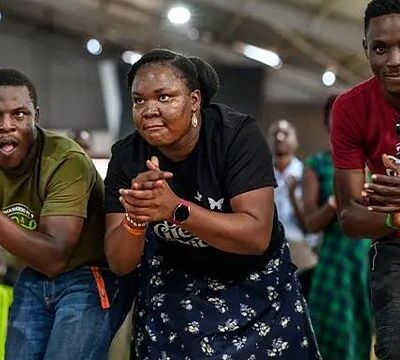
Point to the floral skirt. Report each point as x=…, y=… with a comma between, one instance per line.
x=264, y=315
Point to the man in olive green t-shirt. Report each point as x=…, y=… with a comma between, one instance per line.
x=67, y=304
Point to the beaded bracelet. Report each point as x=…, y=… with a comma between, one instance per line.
x=133, y=223
x=136, y=231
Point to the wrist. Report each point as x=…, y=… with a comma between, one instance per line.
x=133, y=227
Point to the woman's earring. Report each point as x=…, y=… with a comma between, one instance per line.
x=194, y=120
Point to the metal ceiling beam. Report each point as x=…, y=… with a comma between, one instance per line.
x=341, y=33
x=281, y=24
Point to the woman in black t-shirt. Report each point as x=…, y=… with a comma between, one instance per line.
x=215, y=277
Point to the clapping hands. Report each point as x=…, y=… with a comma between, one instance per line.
x=150, y=197
x=383, y=194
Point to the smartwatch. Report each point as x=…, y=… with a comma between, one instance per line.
x=181, y=212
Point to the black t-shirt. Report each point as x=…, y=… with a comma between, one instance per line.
x=230, y=158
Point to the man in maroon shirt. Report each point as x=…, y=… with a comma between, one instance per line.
x=366, y=131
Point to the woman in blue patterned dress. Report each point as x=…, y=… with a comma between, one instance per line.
x=215, y=276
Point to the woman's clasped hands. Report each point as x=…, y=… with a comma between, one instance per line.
x=150, y=197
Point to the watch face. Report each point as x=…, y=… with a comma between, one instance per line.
x=181, y=213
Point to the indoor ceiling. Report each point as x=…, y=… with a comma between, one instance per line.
x=309, y=35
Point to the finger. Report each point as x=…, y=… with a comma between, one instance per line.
x=135, y=211
x=385, y=190
x=365, y=198
x=148, y=185
x=390, y=163
x=127, y=204
x=151, y=176
x=151, y=166
x=153, y=163
x=131, y=202
x=138, y=194
x=128, y=200
x=385, y=180
x=375, y=198
x=386, y=209
x=124, y=203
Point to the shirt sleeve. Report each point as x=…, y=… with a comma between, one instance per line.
x=114, y=181
x=346, y=139
x=249, y=161
x=70, y=186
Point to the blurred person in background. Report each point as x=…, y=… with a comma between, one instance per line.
x=83, y=137
x=288, y=198
x=199, y=175
x=338, y=300
x=67, y=303
x=366, y=130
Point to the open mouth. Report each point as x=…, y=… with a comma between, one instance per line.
x=7, y=146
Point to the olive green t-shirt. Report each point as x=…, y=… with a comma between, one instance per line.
x=58, y=179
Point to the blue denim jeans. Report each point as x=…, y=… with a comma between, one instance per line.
x=63, y=318
x=385, y=294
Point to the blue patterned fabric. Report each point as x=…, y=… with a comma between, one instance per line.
x=263, y=315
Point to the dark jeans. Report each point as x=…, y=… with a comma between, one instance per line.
x=385, y=293
x=63, y=318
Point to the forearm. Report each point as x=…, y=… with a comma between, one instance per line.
x=123, y=250
x=319, y=219
x=37, y=250
x=357, y=221
x=300, y=215
x=239, y=233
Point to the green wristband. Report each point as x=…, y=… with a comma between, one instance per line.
x=389, y=222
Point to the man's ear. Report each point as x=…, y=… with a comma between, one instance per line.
x=37, y=115
x=365, y=47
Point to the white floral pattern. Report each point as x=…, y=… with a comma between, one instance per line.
x=278, y=346
x=230, y=325
x=206, y=347
x=247, y=311
x=187, y=304
x=193, y=327
x=262, y=328
x=262, y=316
x=219, y=304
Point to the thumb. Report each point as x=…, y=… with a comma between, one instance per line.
x=390, y=163
x=153, y=163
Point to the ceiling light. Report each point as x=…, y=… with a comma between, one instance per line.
x=179, y=15
x=130, y=57
x=328, y=78
x=94, y=46
x=1, y=16
x=264, y=56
